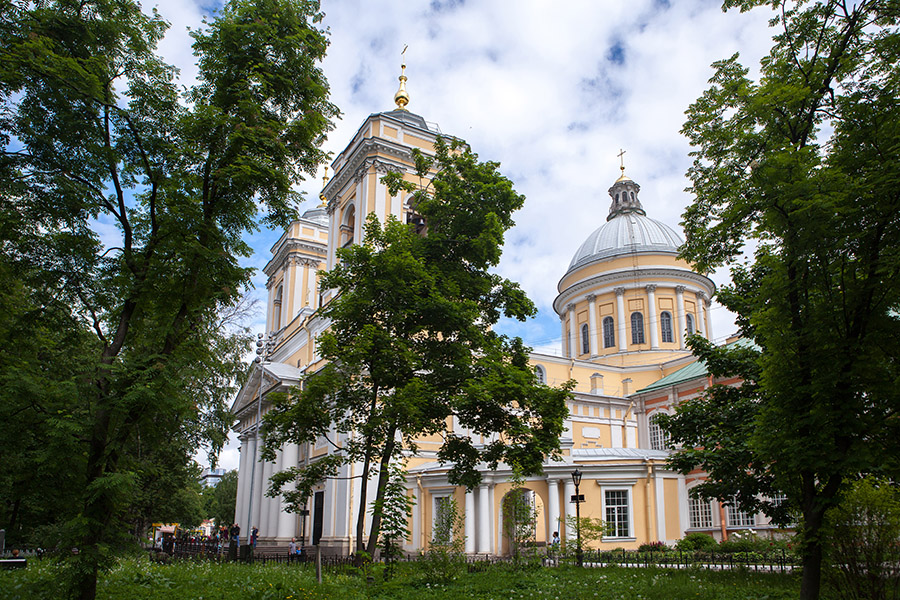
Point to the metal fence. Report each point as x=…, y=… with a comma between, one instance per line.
x=778, y=561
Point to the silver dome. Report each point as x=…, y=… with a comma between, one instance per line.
x=626, y=233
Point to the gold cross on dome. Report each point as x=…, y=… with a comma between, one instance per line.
x=621, y=155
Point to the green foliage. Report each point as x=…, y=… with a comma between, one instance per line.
x=862, y=542
x=519, y=519
x=143, y=581
x=219, y=501
x=129, y=345
x=592, y=532
x=697, y=542
x=799, y=166
x=445, y=558
x=396, y=510
x=411, y=343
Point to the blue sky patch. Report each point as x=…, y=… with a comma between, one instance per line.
x=616, y=53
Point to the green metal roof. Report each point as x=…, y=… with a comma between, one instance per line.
x=692, y=371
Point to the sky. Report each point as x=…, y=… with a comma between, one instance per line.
x=550, y=90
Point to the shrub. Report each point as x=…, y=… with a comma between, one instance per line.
x=653, y=547
x=445, y=558
x=862, y=542
x=697, y=542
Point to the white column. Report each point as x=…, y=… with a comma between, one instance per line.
x=286, y=294
x=298, y=269
x=573, y=338
x=569, y=491
x=709, y=330
x=287, y=522
x=652, y=317
x=252, y=494
x=257, y=492
x=270, y=307
x=362, y=208
x=484, y=520
x=274, y=503
x=470, y=521
x=701, y=326
x=553, y=505
x=311, y=287
x=620, y=315
x=564, y=344
x=679, y=305
x=592, y=323
x=265, y=503
x=243, y=474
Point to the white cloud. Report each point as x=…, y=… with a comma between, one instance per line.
x=551, y=91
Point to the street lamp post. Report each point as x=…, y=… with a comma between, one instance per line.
x=263, y=349
x=576, y=478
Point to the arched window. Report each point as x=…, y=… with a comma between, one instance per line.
x=276, y=308
x=540, y=374
x=637, y=328
x=665, y=324
x=347, y=226
x=617, y=198
x=632, y=195
x=689, y=321
x=585, y=340
x=609, y=332
x=659, y=440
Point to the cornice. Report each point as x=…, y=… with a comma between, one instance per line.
x=360, y=157
x=637, y=279
x=292, y=246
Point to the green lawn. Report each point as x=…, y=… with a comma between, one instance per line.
x=140, y=579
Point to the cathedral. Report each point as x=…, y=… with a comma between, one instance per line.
x=626, y=303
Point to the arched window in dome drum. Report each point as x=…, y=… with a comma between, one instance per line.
x=637, y=328
x=689, y=322
x=665, y=324
x=585, y=340
x=632, y=195
x=609, y=332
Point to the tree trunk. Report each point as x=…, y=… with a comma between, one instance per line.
x=97, y=510
x=383, y=475
x=361, y=517
x=14, y=517
x=811, y=581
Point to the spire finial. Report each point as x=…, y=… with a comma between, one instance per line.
x=324, y=183
x=621, y=156
x=401, y=98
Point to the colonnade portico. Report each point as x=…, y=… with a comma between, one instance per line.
x=482, y=512
x=263, y=512
x=651, y=312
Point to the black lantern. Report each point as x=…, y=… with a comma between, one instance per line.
x=576, y=479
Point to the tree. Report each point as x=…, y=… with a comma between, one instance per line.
x=411, y=343
x=95, y=131
x=801, y=167
x=220, y=501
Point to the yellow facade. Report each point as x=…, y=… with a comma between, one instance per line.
x=625, y=304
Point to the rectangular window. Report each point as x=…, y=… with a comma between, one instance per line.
x=739, y=518
x=700, y=513
x=617, y=517
x=442, y=525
